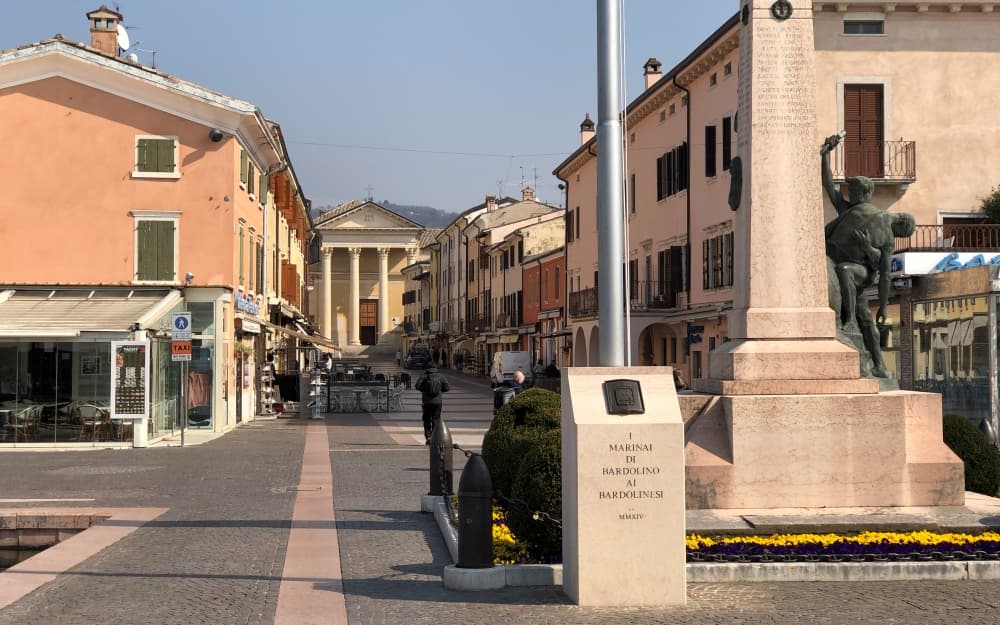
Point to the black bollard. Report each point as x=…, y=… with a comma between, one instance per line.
x=475, y=515
x=441, y=460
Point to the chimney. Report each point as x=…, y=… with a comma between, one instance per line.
x=651, y=72
x=586, y=129
x=491, y=203
x=104, y=29
x=527, y=193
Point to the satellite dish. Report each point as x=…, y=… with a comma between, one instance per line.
x=123, y=41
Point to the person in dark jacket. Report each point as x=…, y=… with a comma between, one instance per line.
x=431, y=386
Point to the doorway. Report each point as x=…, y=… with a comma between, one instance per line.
x=368, y=322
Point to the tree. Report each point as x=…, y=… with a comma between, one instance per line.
x=990, y=206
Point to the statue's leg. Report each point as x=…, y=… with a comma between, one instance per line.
x=849, y=276
x=869, y=332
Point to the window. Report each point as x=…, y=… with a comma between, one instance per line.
x=578, y=222
x=727, y=142
x=260, y=266
x=244, y=161
x=631, y=138
x=713, y=79
x=631, y=194
x=156, y=246
x=684, y=100
x=569, y=226
x=557, y=284
x=262, y=191
x=253, y=262
x=864, y=27
x=710, y=151
x=250, y=179
x=727, y=69
x=663, y=115
x=717, y=261
x=472, y=269
x=673, y=109
x=520, y=251
x=672, y=172
x=155, y=157
x=241, y=255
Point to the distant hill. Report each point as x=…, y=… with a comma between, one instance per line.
x=426, y=216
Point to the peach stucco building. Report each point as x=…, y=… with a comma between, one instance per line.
x=129, y=185
x=882, y=69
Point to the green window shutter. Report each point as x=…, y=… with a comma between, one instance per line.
x=264, y=187
x=250, y=176
x=243, y=166
x=145, y=251
x=241, y=256
x=164, y=249
x=142, y=155
x=260, y=267
x=165, y=155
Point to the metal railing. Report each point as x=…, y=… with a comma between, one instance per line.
x=652, y=294
x=952, y=237
x=583, y=302
x=897, y=162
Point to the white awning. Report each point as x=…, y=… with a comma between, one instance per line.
x=69, y=313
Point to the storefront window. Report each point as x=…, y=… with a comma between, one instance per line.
x=951, y=354
x=56, y=392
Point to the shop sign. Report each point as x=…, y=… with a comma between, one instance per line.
x=248, y=326
x=129, y=379
x=923, y=263
x=247, y=304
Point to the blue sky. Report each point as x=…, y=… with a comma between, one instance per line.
x=431, y=84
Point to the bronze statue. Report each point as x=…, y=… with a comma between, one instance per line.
x=859, y=243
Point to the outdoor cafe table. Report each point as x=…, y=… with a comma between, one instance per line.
x=360, y=390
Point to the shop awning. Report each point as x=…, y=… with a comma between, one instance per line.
x=68, y=313
x=319, y=341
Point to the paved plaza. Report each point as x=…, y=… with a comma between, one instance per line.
x=218, y=554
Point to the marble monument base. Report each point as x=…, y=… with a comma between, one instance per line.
x=824, y=450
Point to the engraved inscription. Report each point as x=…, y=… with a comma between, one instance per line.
x=631, y=461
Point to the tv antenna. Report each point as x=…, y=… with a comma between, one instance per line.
x=135, y=57
x=370, y=197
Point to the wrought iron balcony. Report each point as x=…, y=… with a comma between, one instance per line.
x=952, y=237
x=583, y=302
x=652, y=295
x=889, y=162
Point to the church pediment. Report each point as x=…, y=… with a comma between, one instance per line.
x=367, y=216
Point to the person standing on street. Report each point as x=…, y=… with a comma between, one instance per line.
x=431, y=385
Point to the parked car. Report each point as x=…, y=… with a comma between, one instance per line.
x=417, y=360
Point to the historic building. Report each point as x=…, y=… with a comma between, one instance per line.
x=360, y=251
x=875, y=65
x=170, y=198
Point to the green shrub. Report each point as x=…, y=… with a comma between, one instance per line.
x=538, y=485
x=515, y=430
x=982, y=462
x=990, y=205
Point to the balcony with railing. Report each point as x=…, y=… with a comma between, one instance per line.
x=952, y=238
x=583, y=302
x=886, y=162
x=480, y=323
x=652, y=295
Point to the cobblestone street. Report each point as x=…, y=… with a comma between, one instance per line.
x=217, y=555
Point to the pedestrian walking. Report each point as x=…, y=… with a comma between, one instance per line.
x=431, y=386
x=399, y=358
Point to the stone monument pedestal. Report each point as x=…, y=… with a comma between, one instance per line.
x=623, y=491
x=828, y=450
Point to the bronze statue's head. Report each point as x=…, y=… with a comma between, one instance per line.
x=903, y=224
x=860, y=189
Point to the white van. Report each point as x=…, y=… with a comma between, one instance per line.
x=506, y=363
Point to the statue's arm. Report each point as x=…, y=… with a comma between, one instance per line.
x=832, y=190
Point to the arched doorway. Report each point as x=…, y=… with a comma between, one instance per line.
x=595, y=347
x=580, y=349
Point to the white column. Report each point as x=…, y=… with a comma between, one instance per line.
x=353, y=333
x=326, y=304
x=383, y=293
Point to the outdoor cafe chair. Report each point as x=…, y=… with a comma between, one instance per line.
x=23, y=424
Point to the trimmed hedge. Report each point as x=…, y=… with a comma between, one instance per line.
x=516, y=428
x=539, y=485
x=982, y=462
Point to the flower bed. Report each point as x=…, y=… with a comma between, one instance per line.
x=865, y=546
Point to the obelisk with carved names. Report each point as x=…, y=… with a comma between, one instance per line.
x=782, y=327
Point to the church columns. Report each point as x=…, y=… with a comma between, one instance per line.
x=326, y=304
x=353, y=333
x=383, y=291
